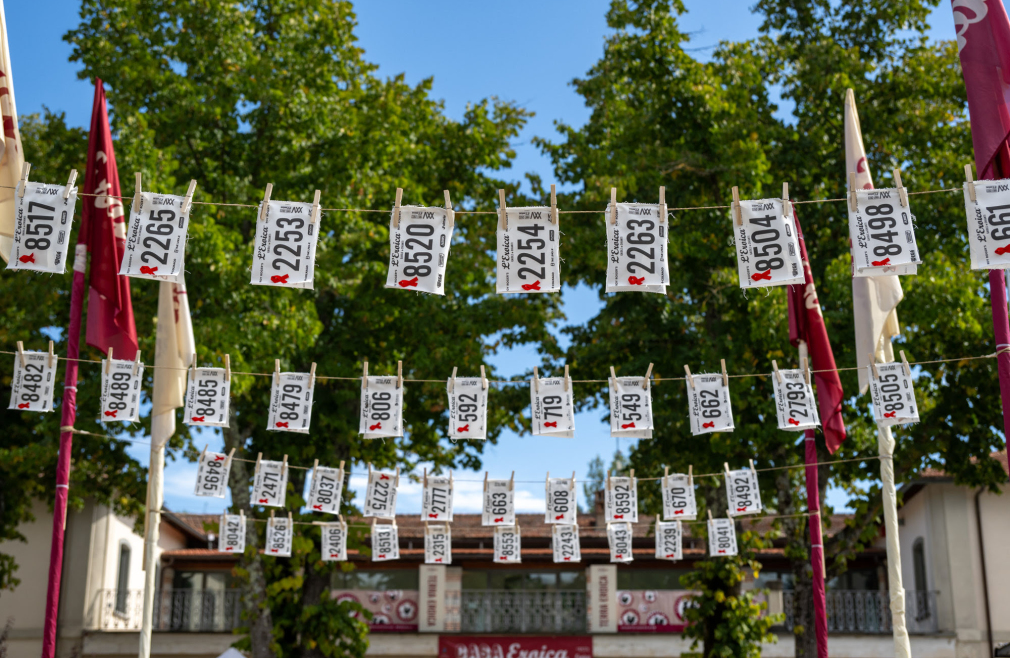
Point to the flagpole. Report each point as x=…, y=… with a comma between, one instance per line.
x=885, y=448
x=162, y=428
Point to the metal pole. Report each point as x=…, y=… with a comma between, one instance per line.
x=885, y=446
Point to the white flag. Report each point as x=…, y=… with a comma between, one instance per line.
x=385, y=542
x=232, y=534
x=619, y=538
x=499, y=503
x=13, y=157
x=436, y=499
x=507, y=544
x=565, y=543
x=678, y=498
x=437, y=543
x=621, y=499
x=669, y=541
x=380, y=495
x=280, y=533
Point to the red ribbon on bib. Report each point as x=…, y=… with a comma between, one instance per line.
x=198, y=419
x=24, y=405
x=762, y=276
x=500, y=519
x=793, y=421
x=618, y=516
x=144, y=269
x=282, y=424
x=552, y=423
x=318, y=507
x=636, y=280
x=890, y=414
x=709, y=424
x=282, y=278
x=559, y=517
x=408, y=283
x=531, y=286
x=383, y=477
x=30, y=258
x=1002, y=250
x=111, y=414
x=881, y=263
x=465, y=428
x=377, y=426
x=628, y=426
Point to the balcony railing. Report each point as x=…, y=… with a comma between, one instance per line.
x=868, y=611
x=512, y=611
x=180, y=610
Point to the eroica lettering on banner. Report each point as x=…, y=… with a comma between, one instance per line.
x=499, y=504
x=621, y=499
x=232, y=534
x=385, y=542
x=743, y=492
x=565, y=543
x=32, y=384
x=795, y=403
x=561, y=504
x=528, y=259
x=709, y=405
x=552, y=408
x=882, y=232
x=893, y=395
x=270, y=487
x=636, y=248
x=436, y=499
x=669, y=541
x=380, y=495
x=721, y=538
x=212, y=475
x=988, y=224
x=630, y=408
x=767, y=251
x=121, y=381
x=207, y=397
x=326, y=489
x=619, y=538
x=291, y=402
x=419, y=249
x=678, y=498
x=156, y=239
x=285, y=250
x=280, y=532
x=437, y=543
x=42, y=221
x=507, y=544
x=334, y=547
x=381, y=408
x=467, y=408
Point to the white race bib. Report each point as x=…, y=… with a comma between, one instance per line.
x=270, y=487
x=385, y=543
x=743, y=492
x=380, y=495
x=630, y=408
x=767, y=251
x=988, y=224
x=437, y=544
x=326, y=489
x=419, y=249
x=32, y=384
x=212, y=475
x=381, y=408
x=565, y=543
x=468, y=409
x=436, y=499
x=207, y=396
x=882, y=232
x=279, y=535
x=156, y=240
x=285, y=251
x=121, y=391
x=291, y=402
x=552, y=408
x=636, y=248
x=528, y=259
x=795, y=403
x=619, y=537
x=334, y=546
x=678, y=498
x=669, y=541
x=499, y=504
x=42, y=221
x=561, y=504
x=507, y=544
x=709, y=405
x=893, y=396
x=621, y=500
x=721, y=538
x=232, y=534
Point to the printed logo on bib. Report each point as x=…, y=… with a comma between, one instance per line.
x=619, y=537
x=271, y=484
x=436, y=499
x=380, y=495
x=893, y=396
x=669, y=541
x=212, y=475
x=678, y=498
x=156, y=239
x=334, y=545
x=721, y=538
x=467, y=409
x=767, y=253
x=291, y=402
x=561, y=504
x=419, y=249
x=709, y=405
x=552, y=408
x=630, y=408
x=326, y=489
x=279, y=536
x=882, y=232
x=42, y=221
x=232, y=534
x=381, y=408
x=621, y=499
x=988, y=224
x=507, y=545
x=636, y=249
x=499, y=504
x=385, y=543
x=743, y=492
x=437, y=544
x=795, y=403
x=121, y=391
x=32, y=384
x=565, y=543
x=285, y=251
x=207, y=397
x=528, y=259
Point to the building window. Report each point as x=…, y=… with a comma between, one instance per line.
x=123, y=578
x=921, y=586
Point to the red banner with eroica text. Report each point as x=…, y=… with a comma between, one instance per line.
x=482, y=646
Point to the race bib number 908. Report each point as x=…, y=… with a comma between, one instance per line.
x=42, y=219
x=156, y=240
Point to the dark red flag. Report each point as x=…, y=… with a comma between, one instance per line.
x=807, y=324
x=103, y=233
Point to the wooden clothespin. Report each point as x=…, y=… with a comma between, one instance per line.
x=613, y=377
x=284, y=467
x=241, y=513
x=25, y=168
x=787, y=208
x=70, y=183
x=266, y=200
x=648, y=374
x=567, y=379
x=364, y=375
x=343, y=524
x=485, y=481
x=399, y=374
x=312, y=374
x=369, y=470
x=21, y=353
x=662, y=204
x=572, y=487
x=666, y=475
x=52, y=355
x=291, y=523
x=396, y=207
x=108, y=362
x=259, y=458
x=277, y=367
x=203, y=455
x=709, y=516
x=512, y=481
x=631, y=475
x=136, y=363
x=231, y=453
x=735, y=207
x=902, y=192
x=873, y=367
x=314, y=215
x=775, y=369
x=227, y=368
x=690, y=378
x=853, y=199
x=690, y=475
x=315, y=466
x=452, y=380
x=806, y=369
x=483, y=378
x=609, y=487
x=554, y=206
x=341, y=470
x=904, y=364
x=450, y=477
x=725, y=465
x=503, y=219
x=752, y=465
x=449, y=212
x=192, y=373
x=613, y=205
x=397, y=479
x=536, y=380
x=425, y=479
x=547, y=483
x=138, y=189
x=969, y=182
x=271, y=517
x=188, y=200
x=725, y=376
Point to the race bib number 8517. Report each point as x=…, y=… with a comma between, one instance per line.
x=42, y=219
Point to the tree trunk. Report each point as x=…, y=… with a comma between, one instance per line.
x=803, y=611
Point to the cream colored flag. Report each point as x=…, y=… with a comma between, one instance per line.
x=874, y=299
x=13, y=158
x=174, y=348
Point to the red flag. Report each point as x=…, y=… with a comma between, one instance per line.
x=807, y=324
x=103, y=233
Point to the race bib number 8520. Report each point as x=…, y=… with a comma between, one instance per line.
x=419, y=249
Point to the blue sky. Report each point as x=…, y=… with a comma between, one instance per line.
x=478, y=58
